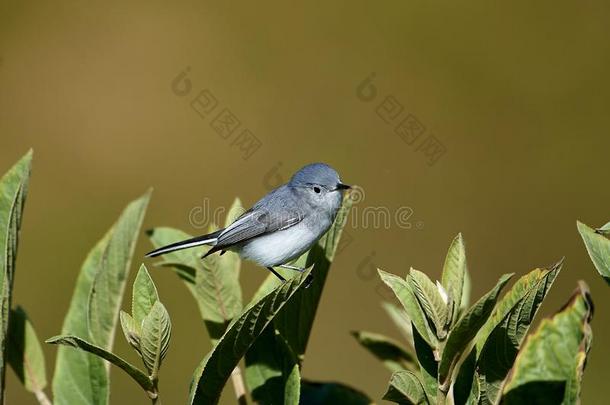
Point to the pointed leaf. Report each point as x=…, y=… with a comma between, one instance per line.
x=430, y=300
x=13, y=192
x=109, y=283
x=391, y=353
x=154, y=340
x=406, y=297
x=76, y=342
x=212, y=374
x=466, y=329
x=454, y=272
x=598, y=247
x=81, y=377
x=131, y=330
x=25, y=353
x=406, y=388
x=549, y=368
x=505, y=329
x=144, y=295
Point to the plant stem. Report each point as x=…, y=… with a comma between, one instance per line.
x=42, y=398
x=238, y=386
x=441, y=395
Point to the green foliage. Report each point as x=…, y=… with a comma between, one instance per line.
x=466, y=329
x=455, y=272
x=147, y=330
x=13, y=192
x=499, y=341
x=476, y=355
x=598, y=247
x=410, y=304
x=434, y=305
x=214, y=371
x=80, y=376
x=88, y=347
x=405, y=387
x=549, y=368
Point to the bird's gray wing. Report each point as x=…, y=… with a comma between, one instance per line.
x=257, y=222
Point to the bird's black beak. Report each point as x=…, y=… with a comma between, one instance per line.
x=342, y=186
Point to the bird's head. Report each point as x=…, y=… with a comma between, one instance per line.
x=320, y=184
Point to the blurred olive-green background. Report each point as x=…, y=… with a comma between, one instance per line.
x=517, y=94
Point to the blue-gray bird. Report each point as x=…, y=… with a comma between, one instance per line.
x=282, y=225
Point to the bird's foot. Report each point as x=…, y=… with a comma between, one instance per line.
x=290, y=267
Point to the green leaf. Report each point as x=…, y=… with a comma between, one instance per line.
x=549, y=367
x=13, y=192
x=213, y=281
x=24, y=352
x=465, y=387
x=76, y=342
x=455, y=273
x=400, y=319
x=430, y=300
x=406, y=388
x=391, y=353
x=106, y=293
x=501, y=336
x=276, y=378
x=144, y=295
x=212, y=374
x=131, y=330
x=466, y=291
x=80, y=377
x=598, y=247
x=409, y=302
x=428, y=365
x=466, y=329
x=154, y=340
x=320, y=393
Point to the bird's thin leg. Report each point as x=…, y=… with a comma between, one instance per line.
x=278, y=275
x=289, y=267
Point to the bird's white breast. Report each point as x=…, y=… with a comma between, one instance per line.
x=280, y=247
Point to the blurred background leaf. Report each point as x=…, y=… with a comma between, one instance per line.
x=598, y=247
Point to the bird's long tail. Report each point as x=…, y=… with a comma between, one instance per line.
x=208, y=239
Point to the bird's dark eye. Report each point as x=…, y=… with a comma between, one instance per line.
x=317, y=190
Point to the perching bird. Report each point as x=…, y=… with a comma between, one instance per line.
x=282, y=225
